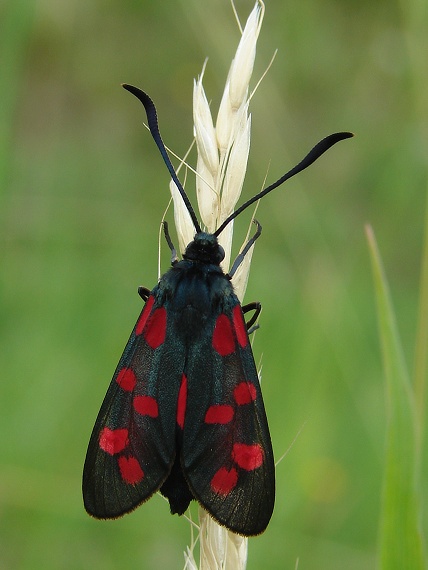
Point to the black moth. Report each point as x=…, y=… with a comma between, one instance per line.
x=184, y=414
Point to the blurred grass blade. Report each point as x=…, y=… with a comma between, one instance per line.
x=421, y=350
x=400, y=541
x=415, y=22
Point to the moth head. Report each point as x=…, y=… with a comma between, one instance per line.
x=204, y=248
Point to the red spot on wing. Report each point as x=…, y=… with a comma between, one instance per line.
x=223, y=339
x=219, y=414
x=244, y=393
x=155, y=330
x=182, y=401
x=146, y=406
x=248, y=457
x=224, y=481
x=144, y=315
x=126, y=379
x=130, y=470
x=113, y=440
x=240, y=326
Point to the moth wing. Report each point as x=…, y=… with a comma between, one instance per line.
x=227, y=455
x=132, y=447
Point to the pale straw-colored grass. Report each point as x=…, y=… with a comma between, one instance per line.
x=223, y=150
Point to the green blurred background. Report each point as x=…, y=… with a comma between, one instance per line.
x=83, y=193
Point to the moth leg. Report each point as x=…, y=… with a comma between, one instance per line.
x=174, y=257
x=240, y=257
x=252, y=329
x=144, y=293
x=256, y=307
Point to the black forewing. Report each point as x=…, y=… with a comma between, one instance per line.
x=217, y=383
x=132, y=447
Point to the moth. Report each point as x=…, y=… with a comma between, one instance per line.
x=184, y=413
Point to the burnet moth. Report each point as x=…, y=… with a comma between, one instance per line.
x=184, y=413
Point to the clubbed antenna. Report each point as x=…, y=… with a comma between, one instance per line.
x=152, y=120
x=319, y=149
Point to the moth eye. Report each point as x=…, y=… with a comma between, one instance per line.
x=221, y=253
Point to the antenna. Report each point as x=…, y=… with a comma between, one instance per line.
x=152, y=120
x=319, y=149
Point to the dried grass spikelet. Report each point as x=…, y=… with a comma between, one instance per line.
x=208, y=164
x=223, y=152
x=220, y=548
x=183, y=221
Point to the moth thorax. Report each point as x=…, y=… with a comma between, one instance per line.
x=205, y=249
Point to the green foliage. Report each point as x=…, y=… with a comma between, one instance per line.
x=400, y=540
x=83, y=192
